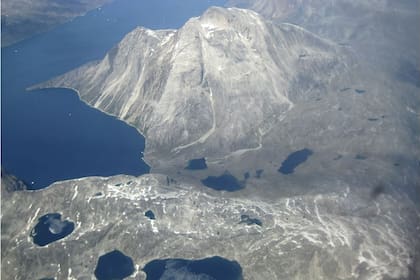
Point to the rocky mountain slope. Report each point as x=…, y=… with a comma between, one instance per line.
x=211, y=85
x=382, y=32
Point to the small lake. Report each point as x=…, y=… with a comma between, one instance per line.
x=224, y=182
x=197, y=164
x=114, y=265
x=294, y=160
x=216, y=268
x=50, y=228
x=246, y=219
x=149, y=214
x=50, y=135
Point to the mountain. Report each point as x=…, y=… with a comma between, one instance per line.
x=211, y=85
x=244, y=92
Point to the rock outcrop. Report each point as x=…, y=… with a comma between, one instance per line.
x=346, y=235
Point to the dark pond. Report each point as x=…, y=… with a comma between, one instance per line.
x=149, y=214
x=360, y=91
x=245, y=219
x=216, y=268
x=293, y=160
x=225, y=182
x=50, y=135
x=259, y=173
x=50, y=228
x=197, y=164
x=114, y=265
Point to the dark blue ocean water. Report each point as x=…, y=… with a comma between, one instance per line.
x=50, y=135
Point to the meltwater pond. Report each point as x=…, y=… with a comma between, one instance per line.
x=50, y=135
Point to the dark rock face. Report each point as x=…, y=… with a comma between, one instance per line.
x=114, y=265
x=216, y=268
x=50, y=228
